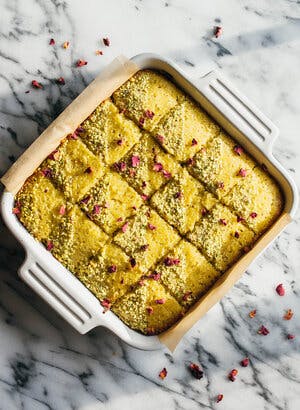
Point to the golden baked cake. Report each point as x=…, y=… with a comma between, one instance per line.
x=148, y=202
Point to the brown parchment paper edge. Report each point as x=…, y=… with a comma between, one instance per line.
x=171, y=337
x=109, y=79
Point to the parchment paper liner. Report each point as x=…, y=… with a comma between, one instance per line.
x=111, y=78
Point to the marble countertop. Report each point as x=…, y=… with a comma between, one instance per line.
x=44, y=364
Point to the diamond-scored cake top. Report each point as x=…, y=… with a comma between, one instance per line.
x=148, y=202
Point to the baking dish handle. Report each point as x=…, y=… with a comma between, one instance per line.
x=74, y=304
x=242, y=113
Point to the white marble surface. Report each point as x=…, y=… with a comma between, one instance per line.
x=44, y=364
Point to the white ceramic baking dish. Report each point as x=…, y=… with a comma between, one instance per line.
x=236, y=114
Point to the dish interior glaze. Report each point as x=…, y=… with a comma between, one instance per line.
x=148, y=202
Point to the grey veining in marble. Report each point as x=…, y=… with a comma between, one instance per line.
x=44, y=364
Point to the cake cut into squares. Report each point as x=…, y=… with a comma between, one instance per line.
x=146, y=238
x=149, y=308
x=76, y=239
x=257, y=199
x=220, y=165
x=182, y=201
x=186, y=273
x=110, y=201
x=108, y=133
x=185, y=129
x=220, y=237
x=39, y=204
x=74, y=168
x=146, y=166
x=146, y=97
x=109, y=274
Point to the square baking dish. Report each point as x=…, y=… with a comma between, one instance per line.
x=238, y=116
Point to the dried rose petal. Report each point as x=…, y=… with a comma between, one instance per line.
x=155, y=275
x=240, y=219
x=81, y=63
x=62, y=210
x=16, y=210
x=236, y=234
x=61, y=81
x=141, y=121
x=144, y=197
x=171, y=261
x=178, y=195
x=106, y=304
x=163, y=373
x=187, y=295
x=263, y=331
x=132, y=262
x=149, y=310
x=194, y=142
x=49, y=245
x=253, y=215
x=218, y=31
x=52, y=42
x=149, y=114
x=245, y=362
x=99, y=53
x=120, y=219
x=36, y=84
x=160, y=301
x=219, y=398
x=54, y=155
x=66, y=44
x=190, y=162
x=86, y=199
x=238, y=149
x=120, y=142
x=196, y=371
x=221, y=185
x=223, y=222
x=242, y=172
x=290, y=336
x=288, y=315
x=252, y=314
x=151, y=226
x=135, y=161
x=112, y=268
x=232, y=375
x=73, y=136
x=125, y=226
x=160, y=138
x=96, y=209
x=280, y=289
x=204, y=211
x=106, y=41
x=157, y=167
x=47, y=172
x=166, y=174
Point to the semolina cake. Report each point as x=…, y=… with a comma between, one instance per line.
x=149, y=308
x=148, y=202
x=185, y=129
x=186, y=273
x=110, y=201
x=146, y=237
x=146, y=167
x=109, y=274
x=219, y=166
x=220, y=236
x=108, y=133
x=182, y=201
x=147, y=97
